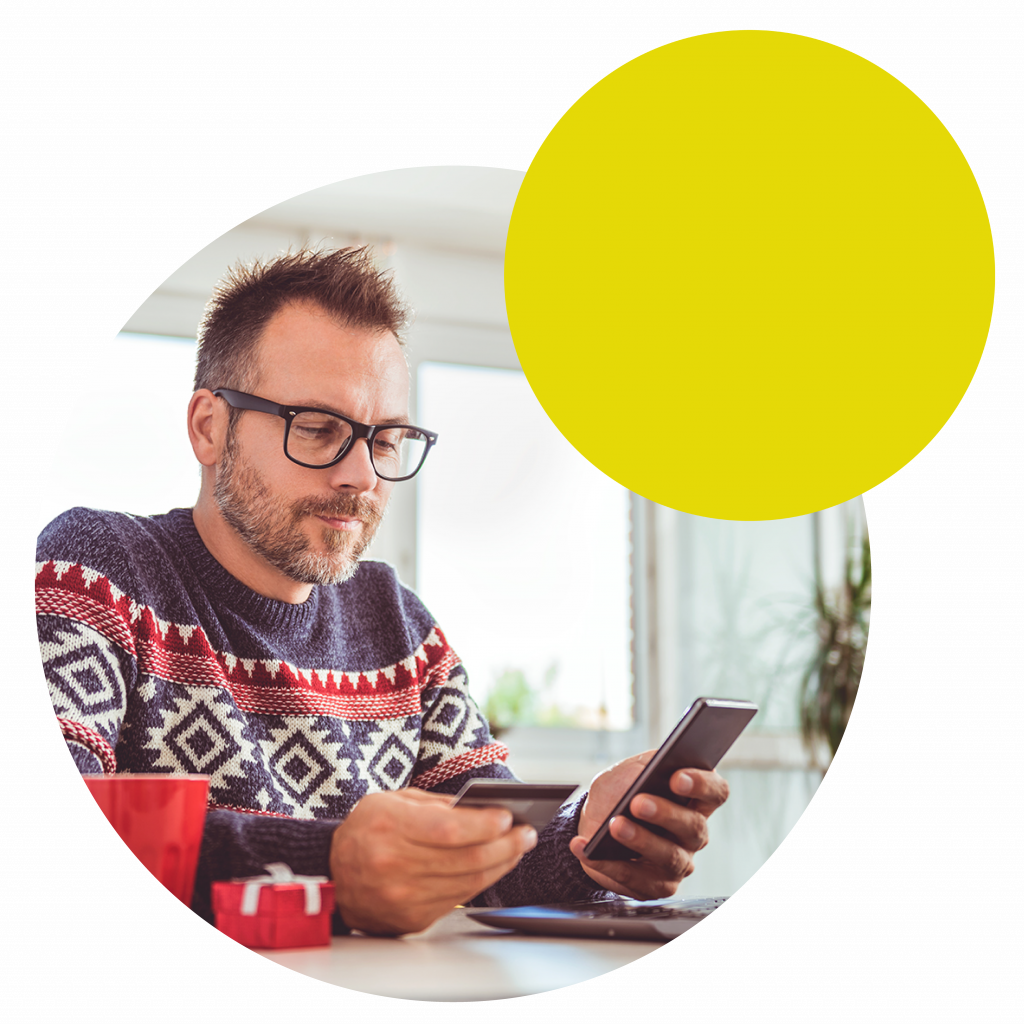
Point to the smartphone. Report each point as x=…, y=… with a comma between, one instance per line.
x=708, y=728
x=530, y=803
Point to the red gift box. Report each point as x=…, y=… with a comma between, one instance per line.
x=275, y=911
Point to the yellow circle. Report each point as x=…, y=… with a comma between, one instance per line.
x=749, y=275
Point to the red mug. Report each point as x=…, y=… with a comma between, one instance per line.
x=160, y=818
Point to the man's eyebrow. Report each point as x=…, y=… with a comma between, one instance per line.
x=391, y=421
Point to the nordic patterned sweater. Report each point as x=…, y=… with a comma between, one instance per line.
x=158, y=660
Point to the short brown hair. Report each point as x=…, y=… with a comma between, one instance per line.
x=344, y=282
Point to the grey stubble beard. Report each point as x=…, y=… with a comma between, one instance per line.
x=271, y=529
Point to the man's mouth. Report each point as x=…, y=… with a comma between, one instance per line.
x=345, y=523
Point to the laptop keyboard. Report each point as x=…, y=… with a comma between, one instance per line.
x=651, y=920
x=619, y=910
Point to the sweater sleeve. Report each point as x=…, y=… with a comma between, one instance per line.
x=457, y=746
x=88, y=649
x=550, y=872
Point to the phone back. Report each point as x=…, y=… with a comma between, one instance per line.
x=700, y=740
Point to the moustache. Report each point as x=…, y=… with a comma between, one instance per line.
x=340, y=507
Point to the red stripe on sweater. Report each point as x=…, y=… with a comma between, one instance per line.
x=91, y=740
x=183, y=654
x=493, y=753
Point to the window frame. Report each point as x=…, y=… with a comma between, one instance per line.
x=584, y=749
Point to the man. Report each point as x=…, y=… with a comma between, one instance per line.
x=244, y=638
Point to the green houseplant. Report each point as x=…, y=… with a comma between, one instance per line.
x=514, y=701
x=829, y=686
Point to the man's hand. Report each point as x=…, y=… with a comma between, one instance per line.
x=403, y=859
x=663, y=863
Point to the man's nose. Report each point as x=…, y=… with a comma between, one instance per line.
x=355, y=471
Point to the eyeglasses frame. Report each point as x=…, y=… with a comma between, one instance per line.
x=242, y=400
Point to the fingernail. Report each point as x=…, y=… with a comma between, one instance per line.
x=682, y=784
x=646, y=808
x=529, y=838
x=626, y=829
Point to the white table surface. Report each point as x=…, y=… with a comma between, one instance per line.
x=458, y=959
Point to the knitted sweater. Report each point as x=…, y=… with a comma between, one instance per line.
x=158, y=660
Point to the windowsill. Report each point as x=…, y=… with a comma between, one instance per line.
x=772, y=751
x=768, y=751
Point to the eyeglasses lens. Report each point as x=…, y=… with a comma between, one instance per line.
x=317, y=439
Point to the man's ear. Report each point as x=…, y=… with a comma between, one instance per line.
x=207, y=426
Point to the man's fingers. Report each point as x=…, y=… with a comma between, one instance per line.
x=425, y=819
x=640, y=879
x=424, y=796
x=443, y=862
x=460, y=875
x=662, y=855
x=453, y=827
x=688, y=827
x=704, y=791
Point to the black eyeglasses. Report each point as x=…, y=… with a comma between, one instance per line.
x=317, y=439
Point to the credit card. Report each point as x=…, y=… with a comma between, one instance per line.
x=530, y=803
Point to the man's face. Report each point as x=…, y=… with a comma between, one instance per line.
x=312, y=524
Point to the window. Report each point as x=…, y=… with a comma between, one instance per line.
x=523, y=555
x=736, y=612
x=125, y=445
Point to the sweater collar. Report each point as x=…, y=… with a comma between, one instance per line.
x=228, y=590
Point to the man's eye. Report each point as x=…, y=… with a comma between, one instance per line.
x=316, y=433
x=388, y=444
x=313, y=433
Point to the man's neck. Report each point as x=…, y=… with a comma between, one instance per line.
x=224, y=543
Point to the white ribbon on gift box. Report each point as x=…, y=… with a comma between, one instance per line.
x=280, y=874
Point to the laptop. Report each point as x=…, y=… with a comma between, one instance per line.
x=614, y=918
